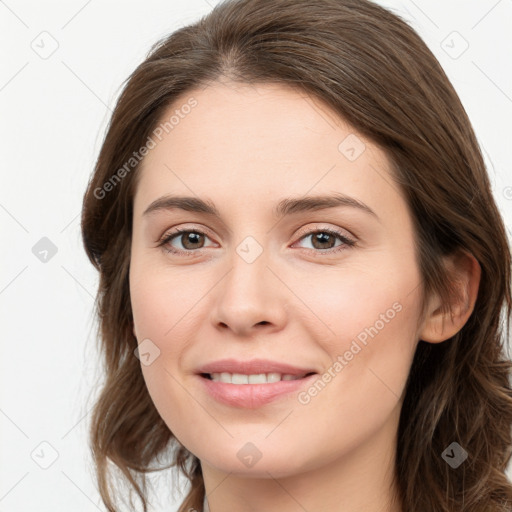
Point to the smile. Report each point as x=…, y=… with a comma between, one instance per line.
x=257, y=378
x=241, y=390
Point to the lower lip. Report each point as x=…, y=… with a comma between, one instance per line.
x=252, y=396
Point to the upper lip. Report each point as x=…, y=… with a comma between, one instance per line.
x=252, y=367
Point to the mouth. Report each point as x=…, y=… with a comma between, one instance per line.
x=256, y=378
x=253, y=390
x=253, y=383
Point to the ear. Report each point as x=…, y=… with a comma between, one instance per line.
x=465, y=272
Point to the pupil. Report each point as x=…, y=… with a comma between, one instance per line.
x=189, y=238
x=322, y=238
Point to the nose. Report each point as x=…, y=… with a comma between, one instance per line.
x=250, y=298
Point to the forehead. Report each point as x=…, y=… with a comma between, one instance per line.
x=274, y=120
x=242, y=141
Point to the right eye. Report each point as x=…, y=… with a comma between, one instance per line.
x=187, y=237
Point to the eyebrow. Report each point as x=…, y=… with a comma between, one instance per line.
x=287, y=206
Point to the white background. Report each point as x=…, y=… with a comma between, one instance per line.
x=53, y=117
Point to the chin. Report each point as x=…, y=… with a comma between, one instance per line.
x=246, y=459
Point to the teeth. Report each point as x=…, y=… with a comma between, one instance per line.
x=236, y=378
x=260, y=378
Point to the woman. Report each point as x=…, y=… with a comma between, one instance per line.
x=304, y=278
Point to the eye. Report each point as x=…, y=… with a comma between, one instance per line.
x=322, y=240
x=194, y=239
x=190, y=239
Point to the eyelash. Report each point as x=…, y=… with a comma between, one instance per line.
x=347, y=242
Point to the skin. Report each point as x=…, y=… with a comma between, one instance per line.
x=245, y=148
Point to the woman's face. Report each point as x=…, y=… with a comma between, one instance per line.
x=278, y=275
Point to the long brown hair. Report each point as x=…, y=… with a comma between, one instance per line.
x=374, y=71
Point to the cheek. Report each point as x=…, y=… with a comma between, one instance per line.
x=374, y=351
x=162, y=312
x=161, y=301
x=372, y=319
x=166, y=307
x=378, y=295
x=361, y=390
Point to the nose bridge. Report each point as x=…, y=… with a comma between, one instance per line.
x=248, y=295
x=248, y=278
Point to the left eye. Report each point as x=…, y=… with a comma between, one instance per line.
x=321, y=240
